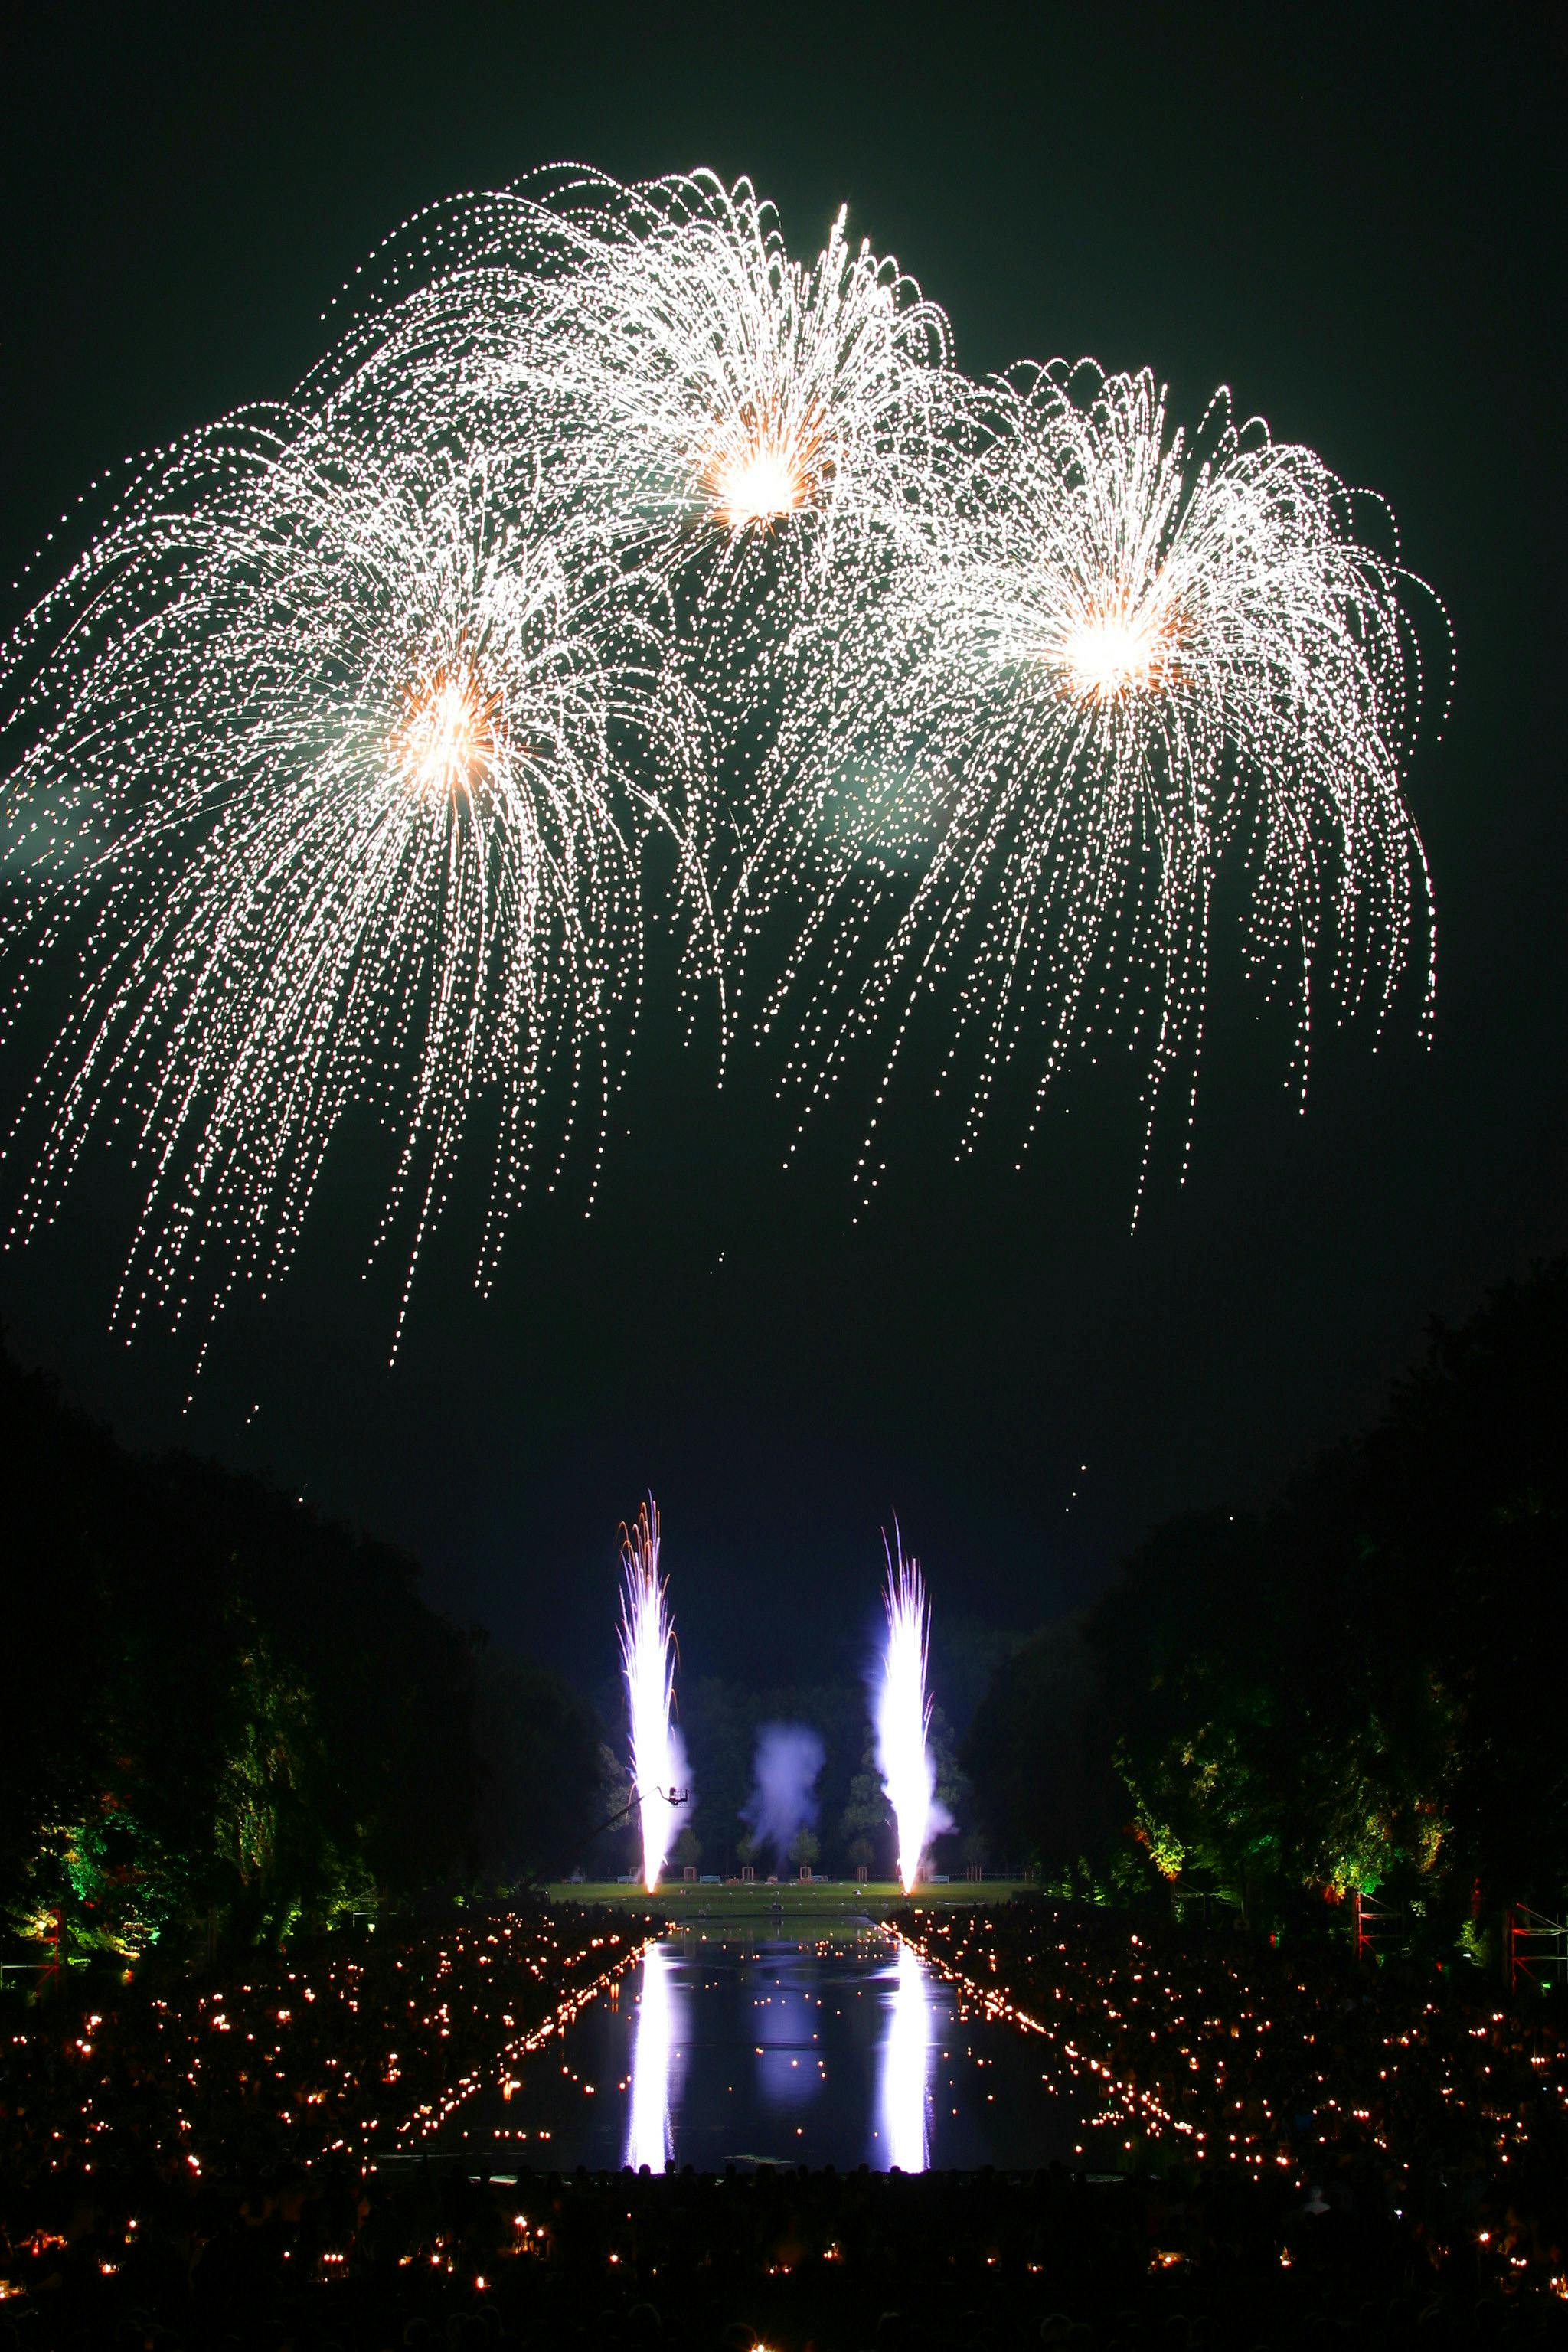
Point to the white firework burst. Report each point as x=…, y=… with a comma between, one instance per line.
x=762, y=412
x=335, y=770
x=1120, y=656
x=747, y=427
x=333, y=757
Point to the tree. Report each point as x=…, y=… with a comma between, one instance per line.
x=1356, y=1689
x=804, y=1849
x=866, y=1824
x=541, y=1761
x=1036, y=1754
x=218, y=1712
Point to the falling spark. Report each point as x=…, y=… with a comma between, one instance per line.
x=1120, y=664
x=339, y=769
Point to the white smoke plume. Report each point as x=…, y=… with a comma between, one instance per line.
x=788, y=1759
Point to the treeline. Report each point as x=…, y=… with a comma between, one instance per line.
x=222, y=1718
x=1358, y=1690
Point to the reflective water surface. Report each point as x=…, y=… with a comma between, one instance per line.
x=721, y=2050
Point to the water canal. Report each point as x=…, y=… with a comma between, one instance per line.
x=724, y=2047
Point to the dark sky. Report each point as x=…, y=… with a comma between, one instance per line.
x=1354, y=222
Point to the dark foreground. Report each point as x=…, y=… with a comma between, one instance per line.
x=787, y=2260
x=242, y=2161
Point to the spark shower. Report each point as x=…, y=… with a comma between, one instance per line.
x=901, y=1705
x=341, y=739
x=904, y=1716
x=648, y=1663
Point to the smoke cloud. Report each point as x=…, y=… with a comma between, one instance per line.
x=788, y=1759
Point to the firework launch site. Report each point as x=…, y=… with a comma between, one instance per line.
x=300, y=2047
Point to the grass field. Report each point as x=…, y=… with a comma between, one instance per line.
x=760, y=1904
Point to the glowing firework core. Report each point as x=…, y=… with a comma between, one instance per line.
x=755, y=487
x=647, y=1659
x=760, y=475
x=903, y=1712
x=1117, y=648
x=604, y=518
x=448, y=741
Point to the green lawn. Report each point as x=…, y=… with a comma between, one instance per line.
x=759, y=1903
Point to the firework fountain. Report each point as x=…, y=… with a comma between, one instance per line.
x=647, y=1661
x=903, y=1714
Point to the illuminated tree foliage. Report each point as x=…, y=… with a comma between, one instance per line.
x=1355, y=1691
x=222, y=1719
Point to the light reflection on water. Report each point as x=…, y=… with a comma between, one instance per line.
x=783, y=2082
x=651, y=2138
x=903, y=2067
x=736, y=2049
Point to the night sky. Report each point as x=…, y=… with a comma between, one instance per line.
x=1354, y=223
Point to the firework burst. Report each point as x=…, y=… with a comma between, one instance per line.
x=748, y=426
x=330, y=786
x=334, y=757
x=1124, y=655
x=762, y=412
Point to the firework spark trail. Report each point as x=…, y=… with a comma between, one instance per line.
x=339, y=772
x=648, y=1661
x=903, y=1714
x=751, y=428
x=1123, y=656
x=341, y=744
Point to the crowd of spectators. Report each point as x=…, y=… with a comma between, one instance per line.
x=423, y=2255
x=363, y=2043
x=1399, y=2094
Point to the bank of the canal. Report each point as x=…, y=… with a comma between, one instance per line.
x=756, y=1903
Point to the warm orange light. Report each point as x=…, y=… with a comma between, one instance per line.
x=1119, y=646
x=448, y=741
x=758, y=471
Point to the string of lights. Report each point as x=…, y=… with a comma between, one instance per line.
x=1239, y=2056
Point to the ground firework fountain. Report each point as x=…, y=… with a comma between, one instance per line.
x=903, y=1714
x=648, y=1660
